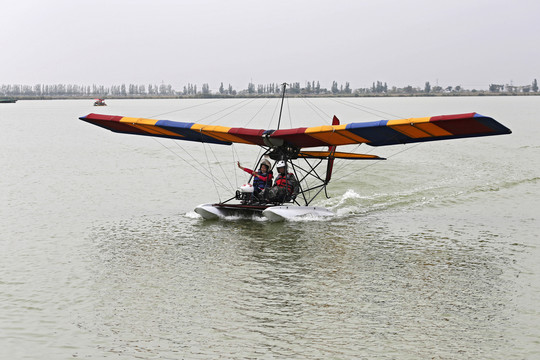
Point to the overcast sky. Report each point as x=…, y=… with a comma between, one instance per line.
x=459, y=42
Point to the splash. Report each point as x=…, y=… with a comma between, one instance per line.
x=347, y=204
x=195, y=216
x=192, y=215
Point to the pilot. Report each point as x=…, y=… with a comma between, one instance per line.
x=286, y=185
x=262, y=178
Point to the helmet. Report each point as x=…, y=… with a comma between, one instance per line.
x=280, y=163
x=267, y=163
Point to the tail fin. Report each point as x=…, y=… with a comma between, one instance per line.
x=331, y=149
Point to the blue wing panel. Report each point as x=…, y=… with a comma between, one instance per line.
x=184, y=129
x=377, y=132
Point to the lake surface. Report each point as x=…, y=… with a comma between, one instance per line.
x=433, y=253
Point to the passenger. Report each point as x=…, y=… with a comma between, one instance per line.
x=261, y=179
x=286, y=186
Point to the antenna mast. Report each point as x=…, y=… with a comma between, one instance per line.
x=282, y=99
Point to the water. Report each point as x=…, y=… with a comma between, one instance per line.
x=432, y=254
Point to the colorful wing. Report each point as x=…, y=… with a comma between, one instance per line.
x=391, y=132
x=176, y=130
x=376, y=133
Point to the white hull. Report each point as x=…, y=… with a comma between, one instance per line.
x=289, y=212
x=209, y=212
x=273, y=213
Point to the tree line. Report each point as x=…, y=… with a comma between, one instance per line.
x=309, y=88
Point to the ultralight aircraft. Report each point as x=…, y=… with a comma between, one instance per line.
x=292, y=146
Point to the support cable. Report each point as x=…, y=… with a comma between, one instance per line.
x=375, y=162
x=187, y=162
x=269, y=124
x=239, y=106
x=234, y=165
x=213, y=180
x=343, y=163
x=221, y=167
x=282, y=99
x=189, y=107
x=363, y=108
x=289, y=112
x=209, y=173
x=315, y=108
x=273, y=115
x=254, y=116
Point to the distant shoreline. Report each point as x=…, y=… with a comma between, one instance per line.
x=266, y=96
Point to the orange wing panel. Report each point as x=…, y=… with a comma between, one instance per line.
x=410, y=131
x=329, y=135
x=148, y=125
x=218, y=132
x=355, y=139
x=433, y=129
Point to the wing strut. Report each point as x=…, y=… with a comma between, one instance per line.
x=331, y=150
x=282, y=100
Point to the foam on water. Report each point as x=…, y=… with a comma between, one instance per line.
x=192, y=215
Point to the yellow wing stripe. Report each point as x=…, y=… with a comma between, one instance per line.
x=334, y=135
x=148, y=125
x=328, y=134
x=141, y=121
x=417, y=127
x=408, y=121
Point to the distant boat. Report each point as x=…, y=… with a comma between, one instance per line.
x=100, y=102
x=7, y=101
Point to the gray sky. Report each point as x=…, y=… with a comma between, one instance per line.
x=459, y=42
